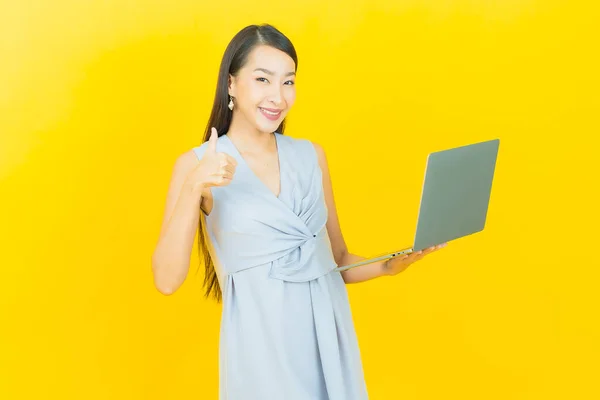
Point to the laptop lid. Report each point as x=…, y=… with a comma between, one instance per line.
x=456, y=192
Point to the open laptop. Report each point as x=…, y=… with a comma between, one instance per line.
x=454, y=199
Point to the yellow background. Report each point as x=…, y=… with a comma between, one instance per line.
x=98, y=98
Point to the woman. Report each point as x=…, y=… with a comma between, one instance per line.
x=272, y=237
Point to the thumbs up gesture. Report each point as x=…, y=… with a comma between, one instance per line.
x=213, y=169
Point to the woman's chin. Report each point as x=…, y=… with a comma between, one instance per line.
x=268, y=126
x=265, y=129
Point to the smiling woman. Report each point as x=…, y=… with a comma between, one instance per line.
x=286, y=327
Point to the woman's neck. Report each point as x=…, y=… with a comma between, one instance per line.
x=247, y=138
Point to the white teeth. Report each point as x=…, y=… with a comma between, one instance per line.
x=269, y=112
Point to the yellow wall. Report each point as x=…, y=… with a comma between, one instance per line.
x=97, y=98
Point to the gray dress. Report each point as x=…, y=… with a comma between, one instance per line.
x=286, y=326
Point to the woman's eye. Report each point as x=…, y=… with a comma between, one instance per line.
x=261, y=79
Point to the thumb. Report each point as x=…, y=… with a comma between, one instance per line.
x=212, y=141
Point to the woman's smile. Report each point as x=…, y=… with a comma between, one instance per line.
x=270, y=113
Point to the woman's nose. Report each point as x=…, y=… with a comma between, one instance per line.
x=276, y=97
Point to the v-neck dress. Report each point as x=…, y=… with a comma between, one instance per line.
x=286, y=330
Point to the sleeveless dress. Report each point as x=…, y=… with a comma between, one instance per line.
x=286, y=328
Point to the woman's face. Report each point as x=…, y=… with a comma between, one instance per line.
x=263, y=90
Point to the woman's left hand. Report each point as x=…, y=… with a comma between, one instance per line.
x=398, y=264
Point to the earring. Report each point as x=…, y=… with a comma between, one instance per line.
x=230, y=105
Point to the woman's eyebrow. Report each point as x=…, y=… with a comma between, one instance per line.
x=266, y=71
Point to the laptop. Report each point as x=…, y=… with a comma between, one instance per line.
x=454, y=198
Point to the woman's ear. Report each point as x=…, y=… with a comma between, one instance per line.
x=231, y=85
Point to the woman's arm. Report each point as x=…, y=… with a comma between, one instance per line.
x=338, y=245
x=363, y=272
x=171, y=257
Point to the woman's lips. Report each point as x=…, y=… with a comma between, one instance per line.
x=270, y=114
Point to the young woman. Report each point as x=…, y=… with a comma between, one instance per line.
x=268, y=231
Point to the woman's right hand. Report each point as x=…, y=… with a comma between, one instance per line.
x=213, y=169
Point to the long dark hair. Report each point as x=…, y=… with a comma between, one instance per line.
x=234, y=58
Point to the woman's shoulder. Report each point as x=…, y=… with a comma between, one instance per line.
x=189, y=158
x=303, y=146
